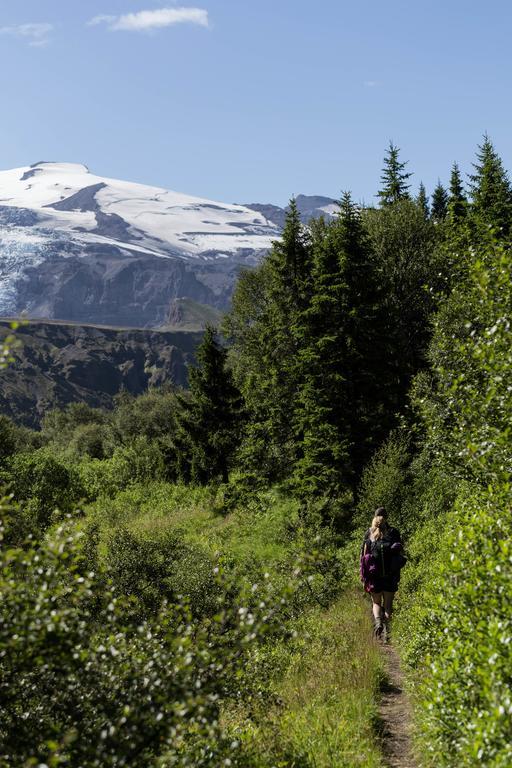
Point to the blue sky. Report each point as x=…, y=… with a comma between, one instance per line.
x=255, y=100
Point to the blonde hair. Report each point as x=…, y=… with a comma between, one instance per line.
x=378, y=528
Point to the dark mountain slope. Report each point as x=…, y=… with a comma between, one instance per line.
x=62, y=363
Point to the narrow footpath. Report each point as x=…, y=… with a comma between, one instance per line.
x=395, y=714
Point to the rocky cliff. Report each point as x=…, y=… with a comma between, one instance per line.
x=61, y=363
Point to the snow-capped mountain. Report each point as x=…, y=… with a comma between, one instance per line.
x=76, y=246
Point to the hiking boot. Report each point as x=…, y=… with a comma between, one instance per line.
x=378, y=628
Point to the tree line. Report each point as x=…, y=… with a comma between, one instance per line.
x=326, y=336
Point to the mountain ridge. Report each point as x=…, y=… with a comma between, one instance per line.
x=79, y=247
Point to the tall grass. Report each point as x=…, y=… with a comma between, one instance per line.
x=325, y=711
x=261, y=534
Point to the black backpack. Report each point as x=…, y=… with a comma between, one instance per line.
x=381, y=551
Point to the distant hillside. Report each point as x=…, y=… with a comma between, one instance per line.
x=309, y=207
x=189, y=315
x=63, y=363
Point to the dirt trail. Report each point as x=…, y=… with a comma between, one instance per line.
x=395, y=714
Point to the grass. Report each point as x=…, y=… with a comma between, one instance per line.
x=260, y=534
x=318, y=708
x=326, y=711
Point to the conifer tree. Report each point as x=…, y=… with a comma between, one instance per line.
x=210, y=418
x=422, y=200
x=262, y=329
x=322, y=408
x=290, y=261
x=454, y=237
x=343, y=355
x=370, y=378
x=403, y=245
x=394, y=178
x=439, y=203
x=491, y=192
x=457, y=201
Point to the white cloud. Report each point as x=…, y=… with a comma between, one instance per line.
x=371, y=83
x=102, y=19
x=37, y=35
x=144, y=21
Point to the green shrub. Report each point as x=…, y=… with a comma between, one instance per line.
x=455, y=622
x=8, y=439
x=44, y=484
x=142, y=461
x=82, y=687
x=151, y=415
x=385, y=480
x=59, y=426
x=90, y=440
x=459, y=632
x=151, y=571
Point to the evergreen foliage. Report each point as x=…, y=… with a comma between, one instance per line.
x=322, y=413
x=367, y=340
x=457, y=201
x=439, y=203
x=422, y=200
x=394, y=178
x=406, y=261
x=490, y=188
x=262, y=330
x=210, y=417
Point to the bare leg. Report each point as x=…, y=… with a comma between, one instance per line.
x=376, y=604
x=378, y=615
x=388, y=604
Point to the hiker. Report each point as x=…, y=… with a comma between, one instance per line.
x=381, y=561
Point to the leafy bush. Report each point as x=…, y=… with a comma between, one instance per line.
x=90, y=440
x=150, y=571
x=151, y=415
x=384, y=482
x=44, y=483
x=60, y=427
x=82, y=687
x=456, y=625
x=467, y=410
x=458, y=631
x=8, y=439
x=142, y=461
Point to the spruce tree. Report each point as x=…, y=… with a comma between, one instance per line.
x=262, y=330
x=422, y=200
x=343, y=356
x=439, y=203
x=403, y=245
x=290, y=261
x=394, y=178
x=454, y=238
x=322, y=409
x=370, y=378
x=210, y=418
x=490, y=188
x=457, y=201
